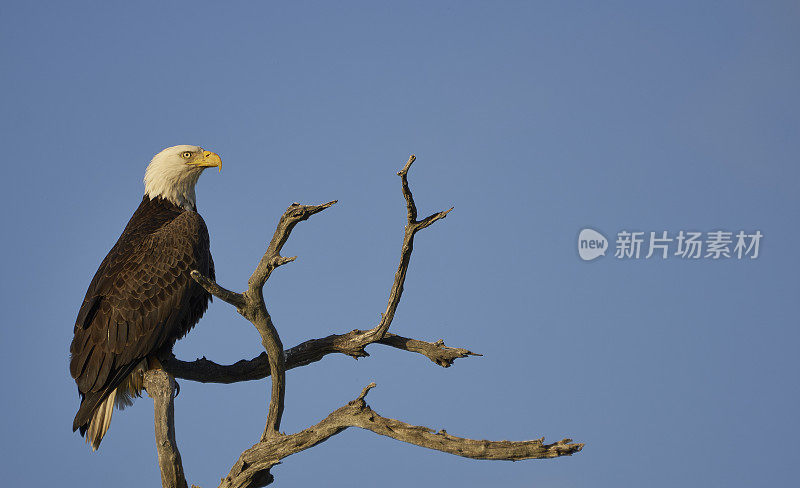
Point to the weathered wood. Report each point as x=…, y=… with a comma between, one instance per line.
x=352, y=344
x=252, y=469
x=160, y=387
x=251, y=306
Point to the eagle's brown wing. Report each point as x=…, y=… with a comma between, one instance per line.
x=141, y=300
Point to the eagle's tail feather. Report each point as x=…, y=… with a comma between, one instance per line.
x=101, y=420
x=94, y=415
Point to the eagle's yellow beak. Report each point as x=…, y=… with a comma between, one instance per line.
x=209, y=160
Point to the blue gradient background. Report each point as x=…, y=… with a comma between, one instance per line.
x=534, y=119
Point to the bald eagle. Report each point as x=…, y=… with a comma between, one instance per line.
x=142, y=298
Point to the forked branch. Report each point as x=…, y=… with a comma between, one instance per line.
x=160, y=387
x=352, y=344
x=251, y=305
x=412, y=227
x=253, y=467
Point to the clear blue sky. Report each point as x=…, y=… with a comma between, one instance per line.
x=533, y=119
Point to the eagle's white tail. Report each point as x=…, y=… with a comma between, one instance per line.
x=101, y=419
x=122, y=396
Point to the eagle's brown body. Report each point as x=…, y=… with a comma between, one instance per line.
x=141, y=300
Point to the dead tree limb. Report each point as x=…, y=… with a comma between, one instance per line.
x=251, y=306
x=352, y=343
x=252, y=469
x=412, y=227
x=160, y=387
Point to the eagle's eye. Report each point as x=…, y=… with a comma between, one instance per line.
x=186, y=154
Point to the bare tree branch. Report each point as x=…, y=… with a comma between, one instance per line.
x=250, y=304
x=256, y=311
x=231, y=297
x=353, y=343
x=437, y=352
x=159, y=386
x=252, y=468
x=206, y=371
x=412, y=227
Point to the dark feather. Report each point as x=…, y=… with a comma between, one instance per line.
x=140, y=301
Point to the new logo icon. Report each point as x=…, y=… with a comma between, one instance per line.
x=591, y=244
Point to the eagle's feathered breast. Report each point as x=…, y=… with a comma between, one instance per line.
x=140, y=301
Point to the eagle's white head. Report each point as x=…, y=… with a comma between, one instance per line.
x=173, y=173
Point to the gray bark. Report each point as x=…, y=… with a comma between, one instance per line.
x=252, y=469
x=160, y=387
